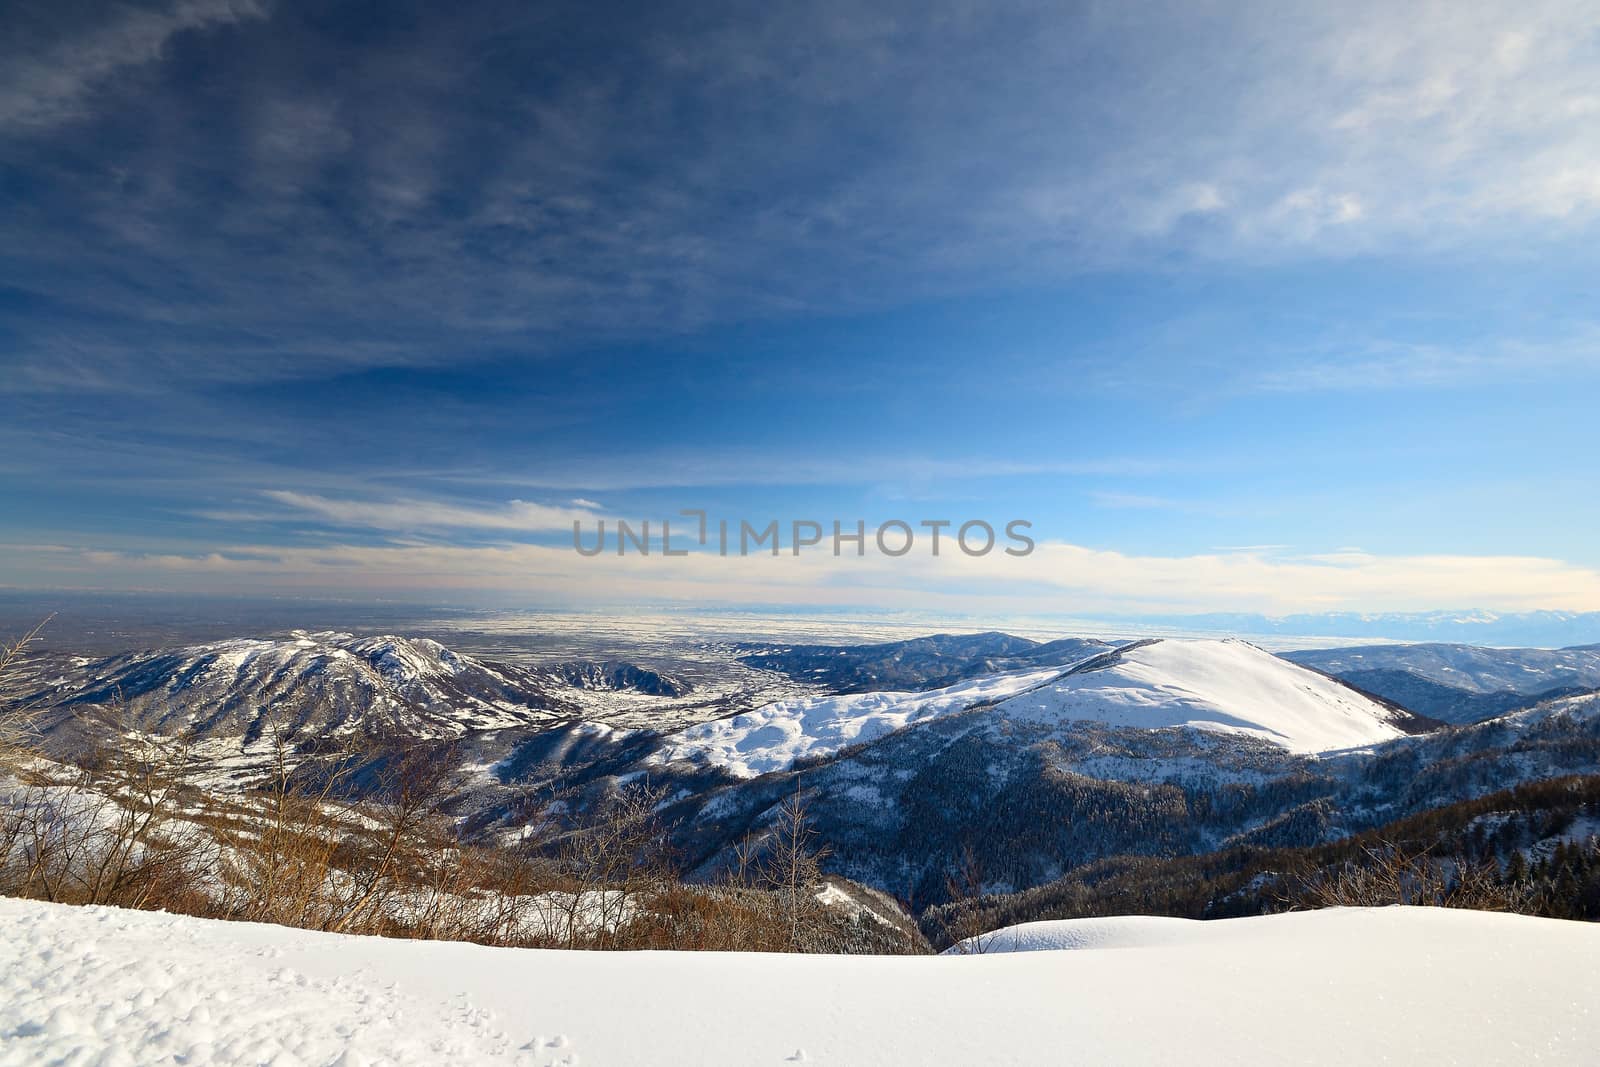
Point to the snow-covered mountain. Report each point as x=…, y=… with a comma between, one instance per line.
x=1159, y=747
x=1460, y=683
x=1225, y=686
x=1023, y=795
x=1222, y=686
x=1165, y=748
x=310, y=684
x=614, y=676
x=324, y=684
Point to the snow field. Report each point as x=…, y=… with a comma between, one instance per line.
x=1401, y=985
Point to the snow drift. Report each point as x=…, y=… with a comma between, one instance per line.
x=1404, y=985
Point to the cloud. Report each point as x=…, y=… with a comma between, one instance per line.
x=401, y=514
x=193, y=252
x=56, y=83
x=672, y=469
x=1058, y=578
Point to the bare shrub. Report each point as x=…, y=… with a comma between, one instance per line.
x=108, y=831
x=769, y=897
x=278, y=852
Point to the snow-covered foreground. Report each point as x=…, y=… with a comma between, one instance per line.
x=1403, y=985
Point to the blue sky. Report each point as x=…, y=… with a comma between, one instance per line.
x=1246, y=307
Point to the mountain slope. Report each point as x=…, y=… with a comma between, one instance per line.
x=1020, y=800
x=614, y=676
x=1446, y=703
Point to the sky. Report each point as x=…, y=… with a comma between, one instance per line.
x=1250, y=307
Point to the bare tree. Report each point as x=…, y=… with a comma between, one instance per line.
x=792, y=864
x=280, y=855
x=107, y=831
x=961, y=919
x=618, y=862
x=17, y=721
x=413, y=785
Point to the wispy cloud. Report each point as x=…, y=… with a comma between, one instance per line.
x=402, y=227
x=1104, y=498
x=44, y=84
x=1394, y=365
x=402, y=515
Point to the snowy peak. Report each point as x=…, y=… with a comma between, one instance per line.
x=404, y=660
x=1228, y=686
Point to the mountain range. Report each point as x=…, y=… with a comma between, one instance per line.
x=1012, y=759
x=319, y=686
